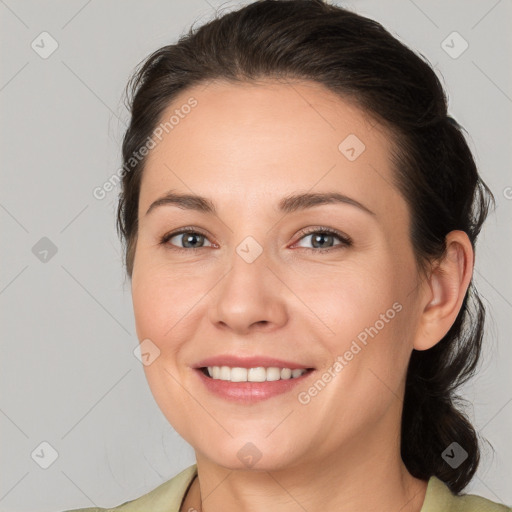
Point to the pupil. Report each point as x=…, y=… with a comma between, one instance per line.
x=321, y=236
x=190, y=236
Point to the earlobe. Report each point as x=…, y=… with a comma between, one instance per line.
x=445, y=290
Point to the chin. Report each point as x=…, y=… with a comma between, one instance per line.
x=257, y=455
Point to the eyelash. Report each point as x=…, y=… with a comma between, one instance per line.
x=345, y=240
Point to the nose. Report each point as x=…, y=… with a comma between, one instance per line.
x=250, y=296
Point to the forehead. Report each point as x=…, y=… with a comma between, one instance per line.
x=247, y=144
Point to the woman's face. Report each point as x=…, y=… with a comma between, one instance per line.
x=257, y=280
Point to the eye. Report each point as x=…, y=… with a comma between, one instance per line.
x=191, y=239
x=322, y=237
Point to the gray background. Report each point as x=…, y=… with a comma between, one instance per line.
x=68, y=373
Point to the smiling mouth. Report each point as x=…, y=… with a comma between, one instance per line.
x=256, y=375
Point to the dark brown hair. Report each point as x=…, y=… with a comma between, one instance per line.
x=360, y=61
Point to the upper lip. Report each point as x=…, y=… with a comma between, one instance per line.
x=249, y=362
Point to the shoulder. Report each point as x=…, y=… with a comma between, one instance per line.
x=439, y=498
x=167, y=497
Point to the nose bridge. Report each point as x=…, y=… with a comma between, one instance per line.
x=249, y=293
x=248, y=268
x=250, y=250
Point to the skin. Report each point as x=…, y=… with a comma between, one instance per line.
x=246, y=146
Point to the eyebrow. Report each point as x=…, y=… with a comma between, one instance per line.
x=288, y=204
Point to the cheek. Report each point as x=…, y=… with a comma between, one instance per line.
x=158, y=300
x=364, y=312
x=349, y=299
x=168, y=303
x=148, y=304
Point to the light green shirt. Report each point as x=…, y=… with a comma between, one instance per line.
x=168, y=496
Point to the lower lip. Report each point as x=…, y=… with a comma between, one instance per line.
x=250, y=392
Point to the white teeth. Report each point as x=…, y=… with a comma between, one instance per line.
x=259, y=374
x=286, y=373
x=273, y=373
x=296, y=373
x=225, y=373
x=238, y=374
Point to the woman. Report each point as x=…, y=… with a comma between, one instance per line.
x=300, y=215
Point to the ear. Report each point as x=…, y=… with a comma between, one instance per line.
x=445, y=290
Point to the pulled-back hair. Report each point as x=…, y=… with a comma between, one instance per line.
x=357, y=59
